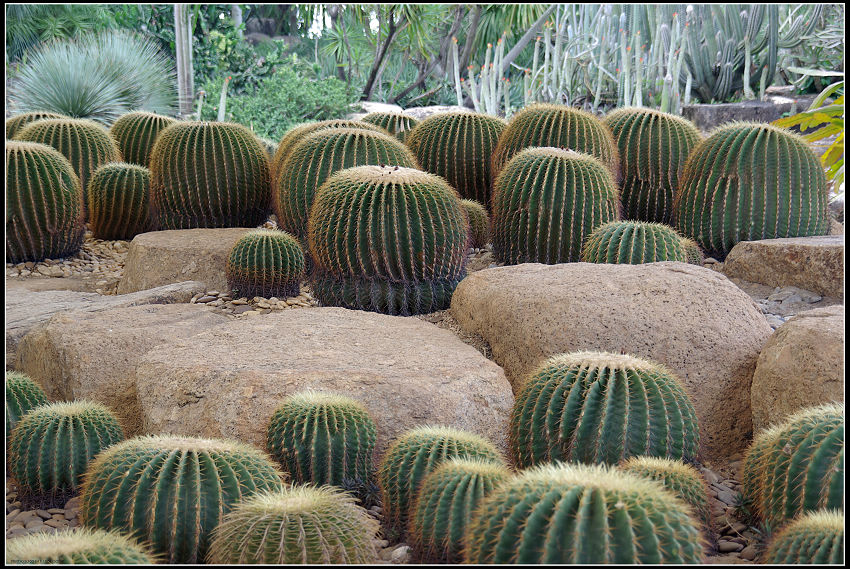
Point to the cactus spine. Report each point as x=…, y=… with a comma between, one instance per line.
x=80, y=546
x=16, y=123
x=22, y=394
x=397, y=124
x=633, y=242
x=479, y=223
x=118, y=197
x=693, y=253
x=266, y=263
x=816, y=538
x=136, y=133
x=681, y=479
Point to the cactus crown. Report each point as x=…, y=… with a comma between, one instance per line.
x=76, y=547
x=681, y=479
x=266, y=263
x=16, y=123
x=397, y=124
x=22, y=394
x=118, y=197
x=136, y=133
x=479, y=223
x=813, y=538
x=633, y=242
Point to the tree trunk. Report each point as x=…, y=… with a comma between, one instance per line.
x=383, y=50
x=463, y=62
x=236, y=16
x=185, y=72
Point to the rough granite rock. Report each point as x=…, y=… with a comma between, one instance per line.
x=363, y=108
x=691, y=319
x=422, y=113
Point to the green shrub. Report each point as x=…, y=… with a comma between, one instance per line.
x=17, y=122
x=397, y=124
x=22, y=394
x=266, y=263
x=681, y=479
x=479, y=223
x=78, y=546
x=118, y=197
x=816, y=538
x=135, y=134
x=633, y=242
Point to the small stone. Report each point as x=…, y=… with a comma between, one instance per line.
x=101, y=282
x=710, y=476
x=56, y=523
x=242, y=308
x=380, y=543
x=56, y=511
x=263, y=304
x=43, y=514
x=50, y=271
x=16, y=532
x=728, y=546
x=25, y=273
x=252, y=313
x=213, y=293
x=401, y=554
x=34, y=523
x=73, y=504
x=11, y=515
x=774, y=320
x=273, y=299
x=240, y=301
x=205, y=299
x=748, y=553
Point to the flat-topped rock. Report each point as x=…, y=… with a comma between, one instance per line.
x=691, y=319
x=422, y=113
x=157, y=258
x=363, y=108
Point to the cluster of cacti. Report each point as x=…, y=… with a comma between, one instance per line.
x=633, y=242
x=445, y=502
x=681, y=479
x=296, y=525
x=458, y=147
x=51, y=446
x=118, y=197
x=797, y=466
x=266, y=263
x=322, y=438
x=209, y=174
x=546, y=201
x=397, y=124
x=172, y=491
x=136, y=133
x=581, y=514
x=693, y=253
x=816, y=538
x=597, y=407
x=22, y=395
x=479, y=223
x=387, y=239
x=750, y=181
x=79, y=546
x=17, y=122
x=653, y=147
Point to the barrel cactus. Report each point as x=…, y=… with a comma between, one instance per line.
x=209, y=174
x=266, y=263
x=693, y=253
x=653, y=147
x=387, y=239
x=458, y=147
x=750, y=181
x=546, y=201
x=172, y=491
x=397, y=124
x=22, y=394
x=136, y=133
x=816, y=538
x=633, y=242
x=582, y=514
x=296, y=525
x=479, y=223
x=445, y=502
x=597, y=407
x=80, y=546
x=681, y=479
x=16, y=123
x=118, y=197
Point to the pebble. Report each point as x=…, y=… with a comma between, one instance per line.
x=205, y=299
x=728, y=546
x=749, y=553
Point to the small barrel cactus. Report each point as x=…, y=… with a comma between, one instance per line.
x=816, y=538
x=172, y=491
x=681, y=479
x=479, y=223
x=136, y=133
x=266, y=263
x=209, y=174
x=387, y=239
x=546, y=201
x=750, y=181
x=653, y=147
x=296, y=525
x=445, y=502
x=118, y=198
x=693, y=253
x=581, y=514
x=633, y=242
x=16, y=123
x=458, y=147
x=322, y=438
x=597, y=407
x=22, y=394
x=397, y=124
x=52, y=445
x=80, y=546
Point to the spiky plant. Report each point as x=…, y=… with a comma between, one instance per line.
x=633, y=242
x=209, y=174
x=136, y=133
x=750, y=181
x=17, y=122
x=118, y=198
x=693, y=253
x=52, y=445
x=479, y=223
x=270, y=146
x=22, y=394
x=78, y=546
x=597, y=407
x=397, y=124
x=681, y=479
x=322, y=438
x=653, y=147
x=266, y=263
x=296, y=525
x=387, y=239
x=546, y=201
x=816, y=538
x=444, y=504
x=581, y=514
x=172, y=491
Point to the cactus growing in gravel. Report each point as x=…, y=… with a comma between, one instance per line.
x=653, y=147
x=387, y=239
x=458, y=147
x=816, y=538
x=479, y=223
x=118, y=197
x=297, y=525
x=136, y=133
x=572, y=513
x=633, y=242
x=16, y=123
x=52, y=445
x=397, y=124
x=22, y=394
x=322, y=438
x=79, y=546
x=546, y=201
x=172, y=491
x=681, y=479
x=209, y=174
x=597, y=407
x=266, y=263
x=750, y=181
x=693, y=253
x=445, y=502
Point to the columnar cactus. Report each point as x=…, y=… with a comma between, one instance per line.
x=79, y=546
x=52, y=445
x=633, y=242
x=209, y=174
x=580, y=514
x=479, y=223
x=546, y=201
x=296, y=525
x=172, y=491
x=693, y=253
x=597, y=407
x=16, y=123
x=653, y=147
x=397, y=124
x=750, y=181
x=266, y=263
x=681, y=479
x=387, y=239
x=22, y=394
x=445, y=502
x=322, y=438
x=118, y=198
x=816, y=538
x=458, y=147
x=136, y=133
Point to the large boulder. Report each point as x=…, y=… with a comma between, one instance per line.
x=801, y=365
x=227, y=381
x=363, y=108
x=689, y=318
